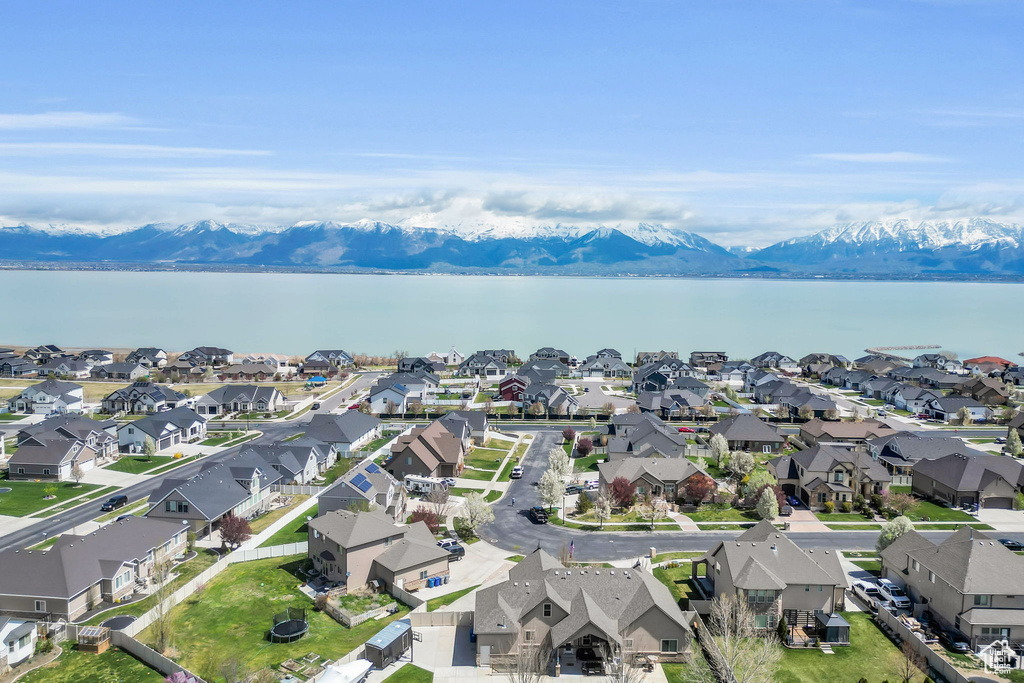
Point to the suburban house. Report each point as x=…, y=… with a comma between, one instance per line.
x=450, y=357
x=614, y=613
x=239, y=486
x=983, y=365
x=297, y=463
x=242, y=398
x=655, y=477
x=209, y=355
x=143, y=397
x=17, y=367
x=314, y=368
x=249, y=372
x=914, y=399
x=671, y=402
x=645, y=357
x=165, y=429
x=551, y=353
x=46, y=352
x=149, y=356
x=185, y=370
x=899, y=452
x=928, y=378
x=278, y=361
x=774, y=359
x=829, y=474
x=367, y=548
x=430, y=451
x=608, y=367
x=125, y=371
x=480, y=365
x=51, y=449
x=748, y=433
x=818, y=431
x=987, y=390
x=50, y=396
x=774, y=576
x=554, y=399
x=643, y=436
x=17, y=642
x=969, y=582
x=366, y=483
x=347, y=432
x=471, y=423
x=402, y=389
x=335, y=357
x=1016, y=422
x=660, y=374
x=80, y=573
x=939, y=362
x=824, y=359
x=512, y=386
x=946, y=408
x=507, y=356
x=553, y=368
x=705, y=358
x=959, y=479
x=420, y=363
x=69, y=368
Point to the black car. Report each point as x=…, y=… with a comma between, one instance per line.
x=954, y=642
x=316, y=406
x=113, y=503
x=456, y=552
x=539, y=515
x=1012, y=544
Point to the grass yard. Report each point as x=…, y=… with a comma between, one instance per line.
x=713, y=470
x=678, y=581
x=462, y=491
x=28, y=497
x=294, y=532
x=485, y=458
x=899, y=489
x=869, y=656
x=185, y=571
x=937, y=513
x=631, y=517
x=139, y=464
x=81, y=667
x=854, y=527
x=710, y=513
x=233, y=615
x=262, y=416
x=589, y=463
x=410, y=673
x=683, y=555
x=515, y=558
x=873, y=566
x=10, y=417
x=841, y=517
x=264, y=521
x=446, y=600
x=336, y=470
x=479, y=475
x=220, y=439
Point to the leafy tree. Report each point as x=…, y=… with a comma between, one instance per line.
x=560, y=462
x=77, y=473
x=1013, y=445
x=902, y=503
x=892, y=530
x=550, y=488
x=428, y=517
x=602, y=509
x=50, y=491
x=767, y=505
x=583, y=504
x=782, y=629
x=719, y=448
x=740, y=464
x=698, y=487
x=757, y=481
x=568, y=434
x=149, y=448
x=475, y=512
x=623, y=492
x=234, y=531
x=593, y=422
x=584, y=446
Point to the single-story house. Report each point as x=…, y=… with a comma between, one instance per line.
x=958, y=479
x=165, y=429
x=144, y=396
x=818, y=431
x=347, y=432
x=748, y=433
x=243, y=398
x=656, y=477
x=125, y=371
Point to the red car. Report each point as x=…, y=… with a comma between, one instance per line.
x=922, y=416
x=687, y=430
x=354, y=406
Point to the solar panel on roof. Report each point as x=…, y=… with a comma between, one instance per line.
x=361, y=483
x=372, y=468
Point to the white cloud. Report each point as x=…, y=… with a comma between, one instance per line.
x=116, y=150
x=65, y=119
x=881, y=158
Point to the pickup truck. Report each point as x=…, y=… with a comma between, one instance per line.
x=539, y=515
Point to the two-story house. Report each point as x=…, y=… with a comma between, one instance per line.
x=366, y=483
x=829, y=474
x=51, y=396
x=149, y=356
x=430, y=451
x=144, y=397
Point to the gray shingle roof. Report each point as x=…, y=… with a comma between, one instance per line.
x=348, y=427
x=746, y=428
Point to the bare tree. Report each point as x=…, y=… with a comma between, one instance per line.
x=532, y=664
x=440, y=502
x=736, y=649
x=161, y=626
x=908, y=664
x=77, y=473
x=608, y=408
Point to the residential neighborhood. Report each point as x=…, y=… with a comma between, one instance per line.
x=580, y=517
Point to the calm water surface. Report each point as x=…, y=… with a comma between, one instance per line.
x=296, y=313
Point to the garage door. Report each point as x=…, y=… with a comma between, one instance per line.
x=998, y=503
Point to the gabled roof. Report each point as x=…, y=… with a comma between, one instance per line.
x=671, y=470
x=348, y=427
x=746, y=428
x=159, y=424
x=962, y=472
x=215, y=491
x=352, y=529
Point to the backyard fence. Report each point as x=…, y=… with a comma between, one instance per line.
x=939, y=665
x=267, y=552
x=295, y=490
x=405, y=596
x=147, y=654
x=440, y=618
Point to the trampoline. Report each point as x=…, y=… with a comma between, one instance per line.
x=118, y=623
x=289, y=625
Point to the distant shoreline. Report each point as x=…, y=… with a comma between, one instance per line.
x=963, y=278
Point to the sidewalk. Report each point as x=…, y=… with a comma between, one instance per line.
x=293, y=514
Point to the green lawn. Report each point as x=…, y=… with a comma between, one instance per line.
x=293, y=532
x=713, y=470
x=492, y=496
x=28, y=497
x=678, y=581
x=841, y=517
x=899, y=489
x=233, y=615
x=485, y=458
x=10, y=417
x=261, y=416
x=683, y=555
x=185, y=572
x=869, y=656
x=444, y=600
x=710, y=513
x=853, y=527
x=479, y=475
x=221, y=438
x=515, y=558
x=410, y=673
x=937, y=513
x=873, y=566
x=337, y=469
x=81, y=667
x=589, y=463
x=137, y=464
x=263, y=522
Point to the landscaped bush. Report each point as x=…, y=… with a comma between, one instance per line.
x=847, y=506
x=830, y=507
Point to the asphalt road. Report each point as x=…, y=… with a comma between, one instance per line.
x=512, y=529
x=272, y=431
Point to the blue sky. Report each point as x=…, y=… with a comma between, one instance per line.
x=746, y=122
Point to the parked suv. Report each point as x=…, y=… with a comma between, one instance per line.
x=113, y=503
x=456, y=552
x=517, y=472
x=539, y=515
x=893, y=593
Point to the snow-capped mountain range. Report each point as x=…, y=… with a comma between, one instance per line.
x=898, y=247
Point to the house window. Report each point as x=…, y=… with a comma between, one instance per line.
x=627, y=643
x=837, y=476
x=529, y=636
x=40, y=605
x=21, y=470
x=822, y=497
x=931, y=576
x=915, y=565
x=982, y=600
x=175, y=506
x=423, y=574
x=46, y=470
x=547, y=609
x=131, y=430
x=388, y=541
x=670, y=646
x=123, y=579
x=761, y=621
x=766, y=449
x=408, y=460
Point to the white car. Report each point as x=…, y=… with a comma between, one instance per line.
x=517, y=472
x=447, y=543
x=592, y=485
x=868, y=592
x=894, y=594
x=449, y=482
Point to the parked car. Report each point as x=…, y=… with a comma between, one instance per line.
x=354, y=406
x=586, y=389
x=868, y=592
x=923, y=416
x=517, y=472
x=539, y=515
x=592, y=667
x=448, y=481
x=793, y=500
x=1012, y=544
x=882, y=412
x=113, y=503
x=593, y=485
x=786, y=510
x=954, y=642
x=447, y=543
x=573, y=489
x=316, y=406
x=687, y=430
x=456, y=552
x=1000, y=439
x=894, y=594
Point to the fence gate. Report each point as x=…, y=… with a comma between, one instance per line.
x=485, y=655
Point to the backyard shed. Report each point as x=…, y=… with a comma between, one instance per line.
x=832, y=628
x=390, y=643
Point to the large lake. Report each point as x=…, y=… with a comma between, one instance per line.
x=296, y=313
